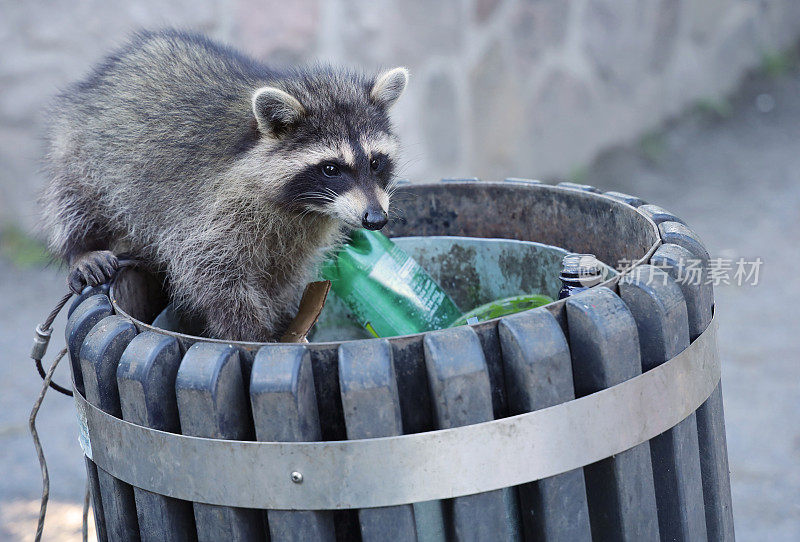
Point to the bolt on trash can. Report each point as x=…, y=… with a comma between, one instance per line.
x=598, y=417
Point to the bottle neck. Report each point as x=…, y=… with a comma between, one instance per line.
x=577, y=279
x=580, y=270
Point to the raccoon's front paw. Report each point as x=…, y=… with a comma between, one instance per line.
x=92, y=269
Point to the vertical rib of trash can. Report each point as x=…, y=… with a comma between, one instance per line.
x=371, y=407
x=97, y=505
x=659, y=309
x=76, y=329
x=212, y=403
x=461, y=395
x=714, y=467
x=146, y=380
x=577, y=186
x=633, y=201
x=604, y=347
x=84, y=313
x=81, y=321
x=99, y=358
x=325, y=372
x=658, y=214
x=676, y=260
x=87, y=292
x=285, y=410
x=417, y=416
x=680, y=234
x=538, y=374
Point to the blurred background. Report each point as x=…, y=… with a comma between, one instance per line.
x=690, y=104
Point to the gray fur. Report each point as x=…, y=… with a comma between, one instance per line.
x=160, y=153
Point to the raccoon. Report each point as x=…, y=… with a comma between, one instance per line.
x=226, y=175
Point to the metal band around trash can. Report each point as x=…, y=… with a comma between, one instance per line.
x=410, y=468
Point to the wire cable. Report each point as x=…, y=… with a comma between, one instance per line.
x=45, y=330
x=85, y=524
x=40, y=343
x=37, y=443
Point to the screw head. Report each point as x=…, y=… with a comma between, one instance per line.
x=297, y=477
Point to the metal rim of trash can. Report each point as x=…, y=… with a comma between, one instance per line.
x=423, y=466
x=586, y=194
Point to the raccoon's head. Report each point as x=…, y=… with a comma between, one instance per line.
x=329, y=144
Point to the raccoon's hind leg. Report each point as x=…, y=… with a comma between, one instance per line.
x=92, y=269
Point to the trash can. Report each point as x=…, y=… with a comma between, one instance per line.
x=598, y=417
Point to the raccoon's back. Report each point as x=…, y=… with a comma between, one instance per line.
x=167, y=108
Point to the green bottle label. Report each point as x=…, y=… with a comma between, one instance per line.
x=402, y=275
x=386, y=289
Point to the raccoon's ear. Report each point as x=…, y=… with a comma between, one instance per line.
x=388, y=86
x=275, y=110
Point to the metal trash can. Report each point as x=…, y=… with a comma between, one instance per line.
x=597, y=417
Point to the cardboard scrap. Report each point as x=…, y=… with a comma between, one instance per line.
x=311, y=305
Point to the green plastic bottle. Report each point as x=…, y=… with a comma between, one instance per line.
x=502, y=307
x=385, y=288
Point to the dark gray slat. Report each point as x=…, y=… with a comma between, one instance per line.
x=326, y=385
x=371, y=407
x=520, y=180
x=90, y=311
x=710, y=417
x=658, y=214
x=324, y=366
x=97, y=506
x=87, y=292
x=99, y=357
x=84, y=313
x=285, y=410
x=577, y=186
x=698, y=295
x=490, y=343
x=626, y=198
x=460, y=180
x=212, y=403
x=659, y=309
x=417, y=417
x=680, y=234
x=604, y=347
x=538, y=374
x=146, y=380
x=412, y=384
x=461, y=395
x=714, y=467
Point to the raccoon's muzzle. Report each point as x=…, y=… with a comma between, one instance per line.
x=374, y=218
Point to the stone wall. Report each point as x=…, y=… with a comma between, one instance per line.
x=530, y=88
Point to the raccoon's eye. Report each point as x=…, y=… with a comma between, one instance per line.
x=376, y=164
x=329, y=170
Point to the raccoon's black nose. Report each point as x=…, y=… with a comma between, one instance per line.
x=374, y=219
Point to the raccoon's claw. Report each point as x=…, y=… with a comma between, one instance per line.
x=92, y=269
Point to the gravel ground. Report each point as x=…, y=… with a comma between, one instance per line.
x=735, y=180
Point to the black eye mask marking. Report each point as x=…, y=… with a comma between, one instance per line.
x=312, y=187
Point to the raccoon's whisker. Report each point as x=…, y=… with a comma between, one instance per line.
x=315, y=195
x=330, y=192
x=403, y=165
